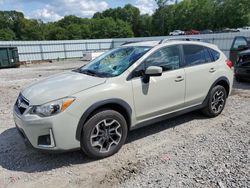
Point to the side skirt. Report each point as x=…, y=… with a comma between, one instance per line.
x=168, y=116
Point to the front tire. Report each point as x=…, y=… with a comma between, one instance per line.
x=216, y=101
x=104, y=134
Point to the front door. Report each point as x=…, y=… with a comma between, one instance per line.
x=163, y=94
x=239, y=44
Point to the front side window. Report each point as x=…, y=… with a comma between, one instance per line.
x=114, y=62
x=168, y=58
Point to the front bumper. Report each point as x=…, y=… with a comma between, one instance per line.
x=55, y=133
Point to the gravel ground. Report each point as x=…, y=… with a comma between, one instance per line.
x=187, y=151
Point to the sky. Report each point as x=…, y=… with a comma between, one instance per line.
x=53, y=10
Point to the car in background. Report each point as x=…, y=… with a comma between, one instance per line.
x=192, y=32
x=229, y=30
x=246, y=28
x=176, y=33
x=242, y=66
x=243, y=29
x=206, y=31
x=240, y=43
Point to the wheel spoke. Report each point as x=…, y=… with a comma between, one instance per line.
x=218, y=101
x=106, y=135
x=97, y=130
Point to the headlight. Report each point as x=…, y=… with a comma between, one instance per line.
x=52, y=108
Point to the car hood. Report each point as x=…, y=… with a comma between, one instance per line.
x=59, y=86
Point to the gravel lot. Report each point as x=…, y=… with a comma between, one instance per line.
x=187, y=151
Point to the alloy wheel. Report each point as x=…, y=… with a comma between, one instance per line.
x=106, y=135
x=218, y=101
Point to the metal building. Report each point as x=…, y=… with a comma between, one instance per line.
x=47, y=50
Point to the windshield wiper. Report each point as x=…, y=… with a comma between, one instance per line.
x=93, y=73
x=88, y=72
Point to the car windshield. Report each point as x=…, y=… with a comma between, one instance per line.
x=114, y=62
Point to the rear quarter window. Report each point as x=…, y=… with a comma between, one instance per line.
x=215, y=54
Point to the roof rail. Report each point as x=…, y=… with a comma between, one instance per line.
x=182, y=39
x=130, y=42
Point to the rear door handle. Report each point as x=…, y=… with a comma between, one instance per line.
x=212, y=70
x=179, y=79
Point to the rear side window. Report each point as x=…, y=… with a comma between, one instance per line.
x=195, y=55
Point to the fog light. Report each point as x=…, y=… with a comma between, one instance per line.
x=46, y=141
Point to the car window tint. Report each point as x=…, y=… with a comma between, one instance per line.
x=208, y=57
x=215, y=54
x=194, y=55
x=168, y=58
x=239, y=41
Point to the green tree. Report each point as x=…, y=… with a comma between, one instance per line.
x=144, y=26
x=7, y=34
x=67, y=20
x=32, y=30
x=54, y=32
x=127, y=21
x=231, y=13
x=129, y=14
x=12, y=20
x=74, y=31
x=110, y=28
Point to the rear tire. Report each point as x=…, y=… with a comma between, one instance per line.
x=104, y=134
x=216, y=101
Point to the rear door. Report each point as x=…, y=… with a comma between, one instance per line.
x=200, y=69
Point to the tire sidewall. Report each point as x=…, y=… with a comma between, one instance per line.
x=90, y=125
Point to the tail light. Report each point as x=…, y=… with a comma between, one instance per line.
x=229, y=64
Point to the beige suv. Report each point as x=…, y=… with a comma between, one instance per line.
x=94, y=107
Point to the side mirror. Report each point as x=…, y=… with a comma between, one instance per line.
x=153, y=71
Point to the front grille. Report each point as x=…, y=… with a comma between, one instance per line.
x=21, y=105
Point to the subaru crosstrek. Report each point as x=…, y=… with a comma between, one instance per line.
x=95, y=106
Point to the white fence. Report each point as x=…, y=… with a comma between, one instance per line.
x=46, y=50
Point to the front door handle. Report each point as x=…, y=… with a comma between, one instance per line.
x=212, y=70
x=179, y=79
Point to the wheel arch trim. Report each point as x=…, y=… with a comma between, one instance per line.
x=222, y=78
x=97, y=105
